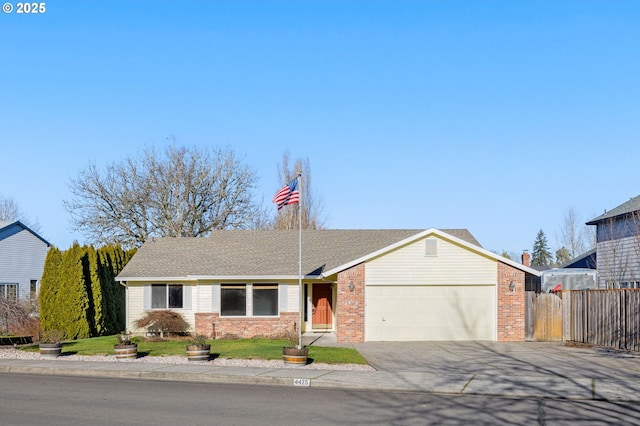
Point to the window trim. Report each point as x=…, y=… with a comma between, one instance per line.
x=262, y=287
x=33, y=289
x=431, y=247
x=236, y=286
x=167, y=297
x=249, y=299
x=4, y=290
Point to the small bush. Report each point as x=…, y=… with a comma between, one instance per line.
x=50, y=336
x=124, y=338
x=198, y=340
x=163, y=322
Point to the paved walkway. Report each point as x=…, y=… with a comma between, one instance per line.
x=525, y=369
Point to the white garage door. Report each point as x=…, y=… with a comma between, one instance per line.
x=405, y=313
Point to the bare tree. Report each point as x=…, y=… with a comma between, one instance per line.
x=17, y=316
x=574, y=234
x=180, y=192
x=310, y=204
x=11, y=212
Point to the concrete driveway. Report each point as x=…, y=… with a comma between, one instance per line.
x=501, y=359
x=522, y=369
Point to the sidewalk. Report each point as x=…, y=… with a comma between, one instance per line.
x=582, y=384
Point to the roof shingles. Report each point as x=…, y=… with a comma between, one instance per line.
x=230, y=253
x=631, y=206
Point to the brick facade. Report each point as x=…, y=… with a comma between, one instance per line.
x=213, y=325
x=350, y=305
x=511, y=304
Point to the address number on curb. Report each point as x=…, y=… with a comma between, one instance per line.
x=302, y=382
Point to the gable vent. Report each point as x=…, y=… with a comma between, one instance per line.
x=431, y=247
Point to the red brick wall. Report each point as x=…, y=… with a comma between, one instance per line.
x=511, y=304
x=350, y=305
x=213, y=325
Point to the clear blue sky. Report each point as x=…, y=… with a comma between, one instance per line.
x=496, y=116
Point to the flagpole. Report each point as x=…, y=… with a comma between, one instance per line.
x=300, y=260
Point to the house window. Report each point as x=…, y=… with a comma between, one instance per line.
x=265, y=299
x=241, y=300
x=233, y=300
x=165, y=296
x=10, y=291
x=33, y=289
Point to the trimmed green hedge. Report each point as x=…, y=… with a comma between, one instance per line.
x=79, y=295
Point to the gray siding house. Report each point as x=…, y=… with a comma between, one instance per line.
x=618, y=246
x=22, y=256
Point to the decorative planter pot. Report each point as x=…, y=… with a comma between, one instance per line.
x=50, y=350
x=129, y=351
x=198, y=352
x=295, y=356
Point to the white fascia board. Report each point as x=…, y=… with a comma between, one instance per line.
x=218, y=278
x=250, y=277
x=155, y=279
x=444, y=235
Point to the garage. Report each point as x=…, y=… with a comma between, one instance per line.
x=430, y=312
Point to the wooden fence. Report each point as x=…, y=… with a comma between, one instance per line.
x=603, y=317
x=608, y=318
x=543, y=317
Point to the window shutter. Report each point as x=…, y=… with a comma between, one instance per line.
x=186, y=297
x=215, y=298
x=146, y=295
x=283, y=297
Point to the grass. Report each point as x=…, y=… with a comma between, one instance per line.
x=242, y=348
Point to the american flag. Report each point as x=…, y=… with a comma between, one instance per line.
x=289, y=194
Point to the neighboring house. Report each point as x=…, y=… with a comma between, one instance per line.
x=364, y=285
x=586, y=260
x=22, y=256
x=618, y=246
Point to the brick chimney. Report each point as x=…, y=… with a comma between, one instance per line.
x=526, y=258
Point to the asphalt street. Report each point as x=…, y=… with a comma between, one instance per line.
x=72, y=401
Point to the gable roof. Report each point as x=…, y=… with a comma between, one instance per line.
x=253, y=254
x=587, y=260
x=8, y=229
x=633, y=205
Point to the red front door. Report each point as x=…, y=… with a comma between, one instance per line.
x=322, y=313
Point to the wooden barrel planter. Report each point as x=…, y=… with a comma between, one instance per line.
x=295, y=356
x=126, y=351
x=198, y=352
x=50, y=350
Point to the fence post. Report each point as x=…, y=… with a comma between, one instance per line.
x=566, y=315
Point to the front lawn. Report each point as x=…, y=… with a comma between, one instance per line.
x=243, y=348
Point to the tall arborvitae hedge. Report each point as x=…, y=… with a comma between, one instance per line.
x=49, y=294
x=73, y=310
x=111, y=260
x=79, y=294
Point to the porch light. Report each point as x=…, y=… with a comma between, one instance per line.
x=351, y=287
x=512, y=286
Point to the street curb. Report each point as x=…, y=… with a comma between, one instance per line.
x=173, y=376
x=600, y=389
